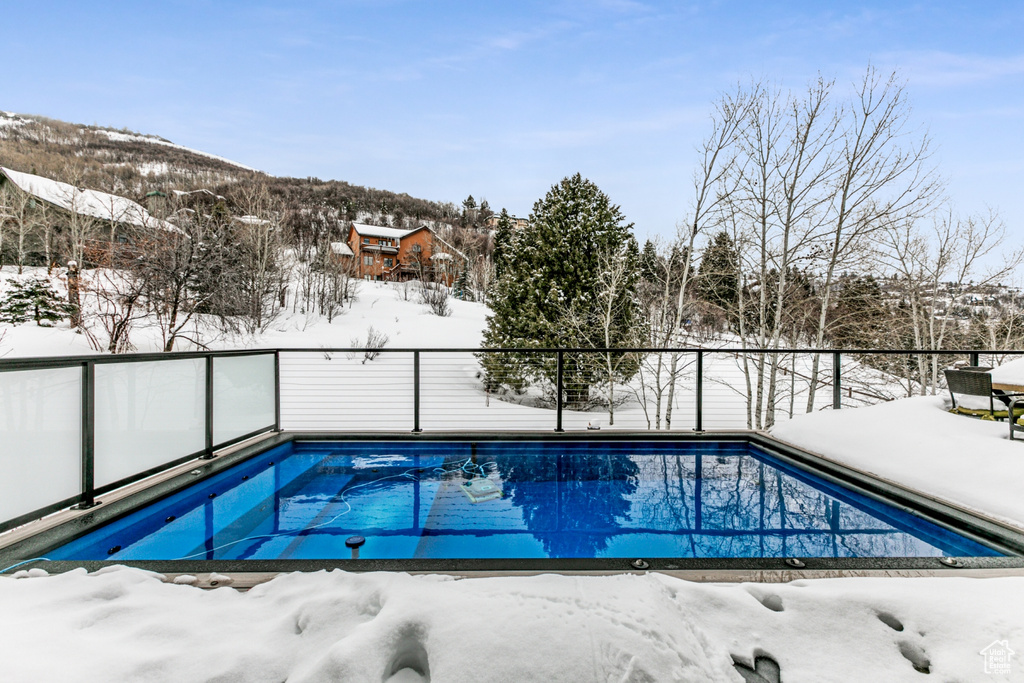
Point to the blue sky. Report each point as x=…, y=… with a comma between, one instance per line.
x=502, y=99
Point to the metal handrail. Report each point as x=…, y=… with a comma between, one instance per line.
x=65, y=361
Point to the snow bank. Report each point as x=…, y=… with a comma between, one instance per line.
x=127, y=625
x=918, y=444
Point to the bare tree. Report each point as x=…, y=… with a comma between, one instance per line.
x=955, y=257
x=79, y=226
x=117, y=290
x=259, y=251
x=20, y=217
x=786, y=168
x=597, y=322
x=711, y=189
x=882, y=178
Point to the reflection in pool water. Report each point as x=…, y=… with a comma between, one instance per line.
x=515, y=500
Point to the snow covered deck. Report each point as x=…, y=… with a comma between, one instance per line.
x=915, y=443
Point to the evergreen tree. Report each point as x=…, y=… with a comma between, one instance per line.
x=718, y=279
x=860, y=318
x=649, y=262
x=502, y=242
x=460, y=288
x=33, y=299
x=554, y=266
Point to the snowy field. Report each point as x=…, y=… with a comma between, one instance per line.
x=129, y=625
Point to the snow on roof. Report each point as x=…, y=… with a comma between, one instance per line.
x=108, y=207
x=341, y=249
x=380, y=231
x=251, y=220
x=201, y=191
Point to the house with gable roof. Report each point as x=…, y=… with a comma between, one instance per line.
x=394, y=254
x=116, y=216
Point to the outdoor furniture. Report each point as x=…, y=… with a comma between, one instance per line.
x=968, y=383
x=974, y=368
x=1015, y=425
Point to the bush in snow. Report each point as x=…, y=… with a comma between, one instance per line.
x=435, y=296
x=33, y=299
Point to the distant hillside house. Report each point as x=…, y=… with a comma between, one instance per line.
x=517, y=223
x=114, y=217
x=399, y=255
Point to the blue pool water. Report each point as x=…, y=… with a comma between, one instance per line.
x=515, y=500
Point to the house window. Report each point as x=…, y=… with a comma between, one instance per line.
x=417, y=248
x=388, y=262
x=367, y=260
x=366, y=240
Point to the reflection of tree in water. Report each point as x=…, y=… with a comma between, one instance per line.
x=575, y=514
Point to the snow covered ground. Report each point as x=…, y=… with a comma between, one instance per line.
x=127, y=625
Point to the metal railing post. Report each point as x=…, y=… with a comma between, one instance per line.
x=975, y=359
x=699, y=426
x=416, y=392
x=88, y=436
x=837, y=387
x=277, y=391
x=208, y=454
x=558, y=393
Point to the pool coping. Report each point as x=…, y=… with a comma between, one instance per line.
x=33, y=539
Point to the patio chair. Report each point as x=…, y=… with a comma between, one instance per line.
x=974, y=368
x=1018, y=424
x=965, y=384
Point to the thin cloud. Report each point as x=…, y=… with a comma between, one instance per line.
x=947, y=69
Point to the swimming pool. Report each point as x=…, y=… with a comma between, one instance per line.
x=441, y=500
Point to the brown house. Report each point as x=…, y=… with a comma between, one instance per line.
x=392, y=254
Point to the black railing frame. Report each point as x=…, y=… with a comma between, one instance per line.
x=87, y=497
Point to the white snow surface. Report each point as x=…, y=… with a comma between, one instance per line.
x=916, y=443
x=1009, y=373
x=123, y=624
x=134, y=137
x=10, y=120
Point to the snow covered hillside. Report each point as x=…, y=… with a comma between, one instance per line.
x=154, y=140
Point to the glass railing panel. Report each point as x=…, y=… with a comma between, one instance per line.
x=40, y=439
x=243, y=395
x=147, y=414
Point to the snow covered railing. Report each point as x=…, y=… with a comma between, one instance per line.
x=72, y=428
